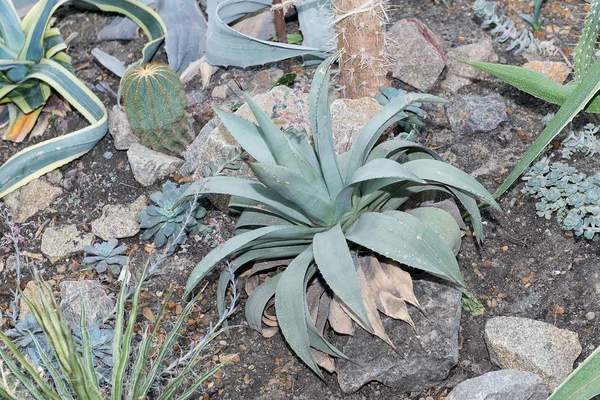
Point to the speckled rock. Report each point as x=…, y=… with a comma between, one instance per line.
x=64, y=241
x=469, y=114
x=348, y=117
x=501, y=385
x=415, y=52
x=458, y=74
x=556, y=70
x=118, y=221
x=148, y=166
x=32, y=292
x=424, y=355
x=98, y=305
x=120, y=129
x=27, y=201
x=533, y=346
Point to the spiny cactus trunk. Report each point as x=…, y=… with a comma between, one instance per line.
x=360, y=26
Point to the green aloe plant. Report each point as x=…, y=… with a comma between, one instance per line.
x=579, y=95
x=133, y=377
x=33, y=63
x=326, y=211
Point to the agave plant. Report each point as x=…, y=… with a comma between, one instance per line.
x=33, y=63
x=132, y=377
x=326, y=215
x=169, y=223
x=105, y=255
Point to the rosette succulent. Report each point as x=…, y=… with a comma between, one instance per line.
x=103, y=256
x=171, y=220
x=330, y=226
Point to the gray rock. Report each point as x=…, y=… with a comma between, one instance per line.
x=64, y=241
x=54, y=177
x=148, y=166
x=27, y=201
x=31, y=292
x=195, y=97
x=348, y=117
x=458, y=74
x=501, y=385
x=120, y=129
x=424, y=357
x=191, y=155
x=264, y=80
x=98, y=305
x=416, y=55
x=220, y=92
x=470, y=114
x=118, y=221
x=532, y=346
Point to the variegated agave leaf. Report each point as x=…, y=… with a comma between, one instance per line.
x=322, y=210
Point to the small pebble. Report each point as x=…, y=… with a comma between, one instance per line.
x=591, y=315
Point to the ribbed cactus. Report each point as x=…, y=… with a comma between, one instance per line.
x=584, y=53
x=154, y=101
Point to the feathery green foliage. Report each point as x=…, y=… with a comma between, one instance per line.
x=573, y=97
x=135, y=371
x=325, y=210
x=33, y=63
x=155, y=102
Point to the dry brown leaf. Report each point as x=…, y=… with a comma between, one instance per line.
x=313, y=295
x=252, y=283
x=21, y=127
x=269, y=332
x=266, y=265
x=402, y=281
x=339, y=320
x=148, y=314
x=323, y=360
x=323, y=312
x=57, y=107
x=388, y=299
x=371, y=306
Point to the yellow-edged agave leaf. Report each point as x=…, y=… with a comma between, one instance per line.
x=404, y=238
x=10, y=27
x=335, y=263
x=290, y=305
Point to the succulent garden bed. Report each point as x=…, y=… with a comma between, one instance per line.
x=527, y=266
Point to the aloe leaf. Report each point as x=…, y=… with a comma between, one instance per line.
x=470, y=204
x=248, y=135
x=576, y=102
x=382, y=168
x=391, y=147
x=301, y=145
x=112, y=63
x=267, y=254
x=290, y=307
x=258, y=300
x=219, y=253
x=335, y=263
x=404, y=238
x=371, y=132
x=311, y=197
x=441, y=172
x=10, y=26
x=255, y=217
x=248, y=189
x=583, y=383
x=320, y=118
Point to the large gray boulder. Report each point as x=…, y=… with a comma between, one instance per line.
x=424, y=355
x=501, y=385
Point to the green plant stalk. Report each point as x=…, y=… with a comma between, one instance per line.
x=576, y=102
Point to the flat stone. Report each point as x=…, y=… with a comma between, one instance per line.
x=64, y=241
x=459, y=75
x=120, y=129
x=469, y=114
x=98, y=306
x=533, y=346
x=148, y=166
x=424, y=355
x=499, y=385
x=348, y=117
x=416, y=53
x=118, y=221
x=220, y=92
x=27, y=201
x=264, y=80
x=556, y=70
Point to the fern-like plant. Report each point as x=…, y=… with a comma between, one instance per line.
x=155, y=102
x=338, y=218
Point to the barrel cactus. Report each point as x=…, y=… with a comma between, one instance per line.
x=154, y=101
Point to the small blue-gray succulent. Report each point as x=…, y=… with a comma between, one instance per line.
x=103, y=256
x=170, y=224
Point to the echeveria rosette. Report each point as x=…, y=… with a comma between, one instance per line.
x=168, y=222
x=103, y=256
x=326, y=210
